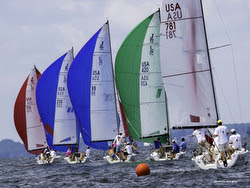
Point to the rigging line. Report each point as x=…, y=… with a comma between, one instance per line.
x=185, y=73
x=133, y=127
x=182, y=19
x=236, y=83
x=227, y=104
x=210, y=134
x=196, y=142
x=222, y=46
x=236, y=80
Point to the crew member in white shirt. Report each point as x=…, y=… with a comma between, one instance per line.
x=202, y=142
x=222, y=133
x=53, y=153
x=88, y=152
x=128, y=149
x=118, y=141
x=235, y=142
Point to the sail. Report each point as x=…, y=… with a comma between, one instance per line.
x=139, y=82
x=26, y=117
x=91, y=89
x=122, y=120
x=186, y=69
x=54, y=105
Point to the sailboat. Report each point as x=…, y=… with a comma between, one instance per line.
x=187, y=73
x=26, y=117
x=92, y=93
x=140, y=86
x=55, y=107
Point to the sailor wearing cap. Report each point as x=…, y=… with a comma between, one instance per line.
x=235, y=142
x=222, y=132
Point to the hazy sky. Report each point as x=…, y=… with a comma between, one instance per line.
x=37, y=32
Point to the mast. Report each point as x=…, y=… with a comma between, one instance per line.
x=77, y=139
x=166, y=102
x=209, y=61
x=113, y=76
x=168, y=127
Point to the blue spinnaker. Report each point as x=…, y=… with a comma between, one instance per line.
x=79, y=86
x=46, y=94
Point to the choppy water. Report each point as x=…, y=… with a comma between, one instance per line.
x=24, y=172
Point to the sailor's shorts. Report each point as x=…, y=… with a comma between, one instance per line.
x=223, y=147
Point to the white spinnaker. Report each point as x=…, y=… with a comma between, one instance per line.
x=35, y=131
x=103, y=105
x=185, y=64
x=65, y=127
x=152, y=94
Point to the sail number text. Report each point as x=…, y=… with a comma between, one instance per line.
x=173, y=12
x=144, y=69
x=95, y=75
x=170, y=30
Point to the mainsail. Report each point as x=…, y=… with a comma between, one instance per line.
x=139, y=82
x=26, y=117
x=54, y=104
x=186, y=68
x=91, y=89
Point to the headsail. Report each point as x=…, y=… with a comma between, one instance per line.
x=27, y=120
x=91, y=89
x=139, y=82
x=54, y=104
x=186, y=69
x=123, y=125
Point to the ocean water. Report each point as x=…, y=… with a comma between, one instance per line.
x=24, y=172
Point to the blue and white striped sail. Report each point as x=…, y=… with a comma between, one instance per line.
x=91, y=89
x=54, y=105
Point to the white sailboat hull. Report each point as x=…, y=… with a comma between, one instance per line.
x=76, y=161
x=111, y=161
x=237, y=158
x=40, y=161
x=156, y=156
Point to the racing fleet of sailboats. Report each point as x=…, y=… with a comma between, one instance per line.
x=165, y=63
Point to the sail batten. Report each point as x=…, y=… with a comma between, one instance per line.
x=180, y=74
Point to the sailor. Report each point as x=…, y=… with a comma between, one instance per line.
x=110, y=152
x=235, y=142
x=183, y=146
x=53, y=153
x=158, y=147
x=85, y=154
x=74, y=150
x=47, y=152
x=202, y=142
x=88, y=151
x=128, y=149
x=222, y=132
x=118, y=141
x=175, y=150
x=68, y=153
x=157, y=143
